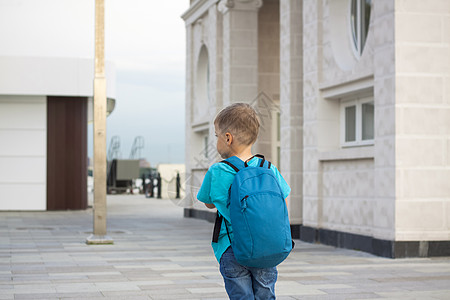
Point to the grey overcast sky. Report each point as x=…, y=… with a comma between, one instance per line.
x=145, y=39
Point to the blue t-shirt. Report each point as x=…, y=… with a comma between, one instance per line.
x=214, y=190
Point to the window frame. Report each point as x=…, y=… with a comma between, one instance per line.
x=357, y=33
x=358, y=103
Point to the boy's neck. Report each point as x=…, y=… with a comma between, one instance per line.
x=244, y=153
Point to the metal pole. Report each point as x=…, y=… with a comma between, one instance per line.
x=99, y=235
x=178, y=185
x=159, y=185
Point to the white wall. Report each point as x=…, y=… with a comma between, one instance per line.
x=52, y=76
x=168, y=174
x=23, y=152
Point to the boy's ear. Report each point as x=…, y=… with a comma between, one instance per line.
x=228, y=138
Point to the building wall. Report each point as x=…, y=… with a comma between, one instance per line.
x=339, y=180
x=347, y=189
x=291, y=104
x=25, y=83
x=388, y=196
x=23, y=152
x=422, y=93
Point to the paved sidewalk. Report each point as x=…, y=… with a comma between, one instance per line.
x=158, y=254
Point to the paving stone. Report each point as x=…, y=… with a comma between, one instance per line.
x=79, y=295
x=159, y=254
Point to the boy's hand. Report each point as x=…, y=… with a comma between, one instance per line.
x=210, y=205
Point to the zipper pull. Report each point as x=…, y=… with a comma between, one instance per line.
x=244, y=203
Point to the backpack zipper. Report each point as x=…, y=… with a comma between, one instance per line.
x=244, y=203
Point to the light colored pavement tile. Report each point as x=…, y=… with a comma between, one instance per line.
x=292, y=288
x=82, y=274
x=77, y=296
x=154, y=282
x=206, y=290
x=166, y=267
x=182, y=275
x=328, y=286
x=444, y=295
x=117, y=286
x=175, y=297
x=76, y=287
x=125, y=295
x=312, y=274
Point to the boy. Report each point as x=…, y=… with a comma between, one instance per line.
x=236, y=128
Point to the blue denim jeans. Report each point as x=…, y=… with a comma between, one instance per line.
x=244, y=283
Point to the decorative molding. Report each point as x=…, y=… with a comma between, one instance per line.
x=198, y=22
x=343, y=89
x=200, y=126
x=353, y=153
x=225, y=6
x=197, y=10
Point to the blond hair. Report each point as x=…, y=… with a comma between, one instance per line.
x=241, y=120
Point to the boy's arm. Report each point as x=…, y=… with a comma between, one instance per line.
x=203, y=194
x=214, y=190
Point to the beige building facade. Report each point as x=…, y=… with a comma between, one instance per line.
x=354, y=97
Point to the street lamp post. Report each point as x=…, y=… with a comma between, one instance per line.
x=99, y=235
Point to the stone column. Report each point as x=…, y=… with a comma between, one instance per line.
x=384, y=94
x=312, y=48
x=291, y=103
x=240, y=50
x=188, y=97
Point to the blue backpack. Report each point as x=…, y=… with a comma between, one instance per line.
x=261, y=230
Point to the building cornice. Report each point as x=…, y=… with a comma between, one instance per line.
x=196, y=10
x=199, y=7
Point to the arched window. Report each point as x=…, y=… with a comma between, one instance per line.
x=360, y=18
x=348, y=23
x=202, y=84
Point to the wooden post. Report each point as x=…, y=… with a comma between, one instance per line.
x=99, y=235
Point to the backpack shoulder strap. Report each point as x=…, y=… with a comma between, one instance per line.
x=261, y=164
x=217, y=226
x=234, y=162
x=231, y=165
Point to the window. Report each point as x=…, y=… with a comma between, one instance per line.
x=360, y=18
x=206, y=145
x=276, y=144
x=357, y=122
x=201, y=88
